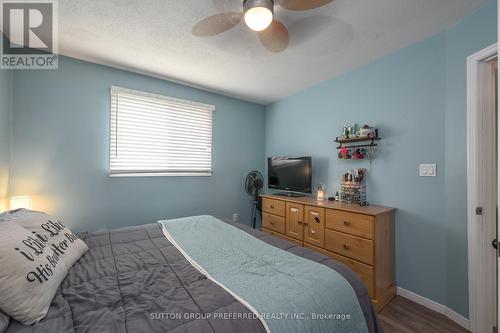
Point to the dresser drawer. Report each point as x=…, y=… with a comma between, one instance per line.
x=273, y=222
x=350, y=246
x=294, y=220
x=351, y=223
x=314, y=225
x=365, y=272
x=273, y=206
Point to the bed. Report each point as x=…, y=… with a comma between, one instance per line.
x=135, y=280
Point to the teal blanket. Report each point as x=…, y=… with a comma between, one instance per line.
x=288, y=292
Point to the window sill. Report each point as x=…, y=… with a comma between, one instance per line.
x=160, y=174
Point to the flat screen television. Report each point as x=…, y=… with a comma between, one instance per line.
x=292, y=174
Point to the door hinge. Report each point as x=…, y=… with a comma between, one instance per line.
x=479, y=210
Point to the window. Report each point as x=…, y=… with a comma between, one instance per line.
x=153, y=135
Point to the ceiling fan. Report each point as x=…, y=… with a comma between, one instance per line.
x=258, y=16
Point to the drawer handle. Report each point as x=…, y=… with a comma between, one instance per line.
x=299, y=222
x=317, y=219
x=272, y=222
x=347, y=223
x=272, y=206
x=305, y=223
x=347, y=247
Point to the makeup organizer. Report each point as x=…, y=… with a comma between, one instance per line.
x=353, y=187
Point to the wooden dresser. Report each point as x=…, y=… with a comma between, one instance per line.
x=360, y=237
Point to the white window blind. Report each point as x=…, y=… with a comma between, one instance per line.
x=153, y=135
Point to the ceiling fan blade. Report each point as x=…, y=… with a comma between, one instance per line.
x=275, y=38
x=216, y=24
x=303, y=4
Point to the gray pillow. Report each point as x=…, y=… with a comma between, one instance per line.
x=36, y=252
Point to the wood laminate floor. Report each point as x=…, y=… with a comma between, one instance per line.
x=404, y=316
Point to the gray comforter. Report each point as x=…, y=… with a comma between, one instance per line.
x=133, y=280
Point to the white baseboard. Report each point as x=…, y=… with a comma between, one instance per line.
x=439, y=308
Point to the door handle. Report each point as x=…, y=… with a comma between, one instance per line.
x=494, y=243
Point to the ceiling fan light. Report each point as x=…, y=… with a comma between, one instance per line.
x=258, y=14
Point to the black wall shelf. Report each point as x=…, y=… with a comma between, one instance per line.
x=353, y=142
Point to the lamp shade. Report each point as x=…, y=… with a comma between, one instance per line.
x=20, y=202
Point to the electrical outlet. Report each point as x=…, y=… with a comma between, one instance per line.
x=235, y=217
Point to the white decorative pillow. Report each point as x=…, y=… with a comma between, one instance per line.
x=44, y=224
x=36, y=252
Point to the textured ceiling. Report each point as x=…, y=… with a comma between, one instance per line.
x=154, y=37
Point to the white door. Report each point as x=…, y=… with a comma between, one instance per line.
x=490, y=89
x=497, y=90
x=490, y=185
x=483, y=171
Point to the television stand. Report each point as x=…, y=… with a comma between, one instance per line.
x=290, y=194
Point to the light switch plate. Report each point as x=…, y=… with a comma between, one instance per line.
x=428, y=170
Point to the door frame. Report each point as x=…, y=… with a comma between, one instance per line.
x=480, y=141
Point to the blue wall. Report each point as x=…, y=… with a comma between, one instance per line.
x=471, y=35
x=4, y=137
x=60, y=150
x=417, y=98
